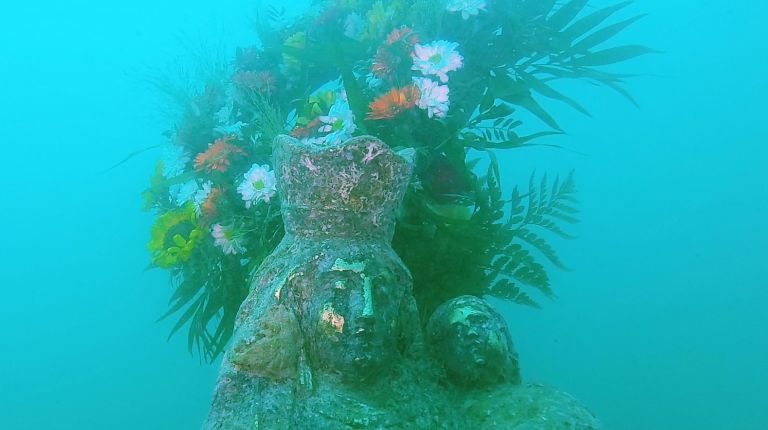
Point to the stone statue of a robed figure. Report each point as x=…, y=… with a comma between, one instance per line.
x=329, y=336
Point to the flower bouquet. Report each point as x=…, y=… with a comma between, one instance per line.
x=444, y=81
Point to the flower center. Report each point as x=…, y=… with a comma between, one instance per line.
x=258, y=185
x=436, y=58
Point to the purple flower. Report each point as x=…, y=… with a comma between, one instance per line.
x=437, y=58
x=434, y=97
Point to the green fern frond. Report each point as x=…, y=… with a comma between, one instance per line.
x=545, y=207
x=505, y=289
x=541, y=245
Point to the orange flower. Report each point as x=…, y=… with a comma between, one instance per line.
x=307, y=130
x=209, y=208
x=392, y=55
x=403, y=33
x=216, y=157
x=392, y=103
x=384, y=64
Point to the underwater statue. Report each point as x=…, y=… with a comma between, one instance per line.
x=329, y=336
x=472, y=342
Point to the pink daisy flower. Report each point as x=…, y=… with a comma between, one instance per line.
x=466, y=7
x=437, y=58
x=259, y=184
x=434, y=97
x=225, y=238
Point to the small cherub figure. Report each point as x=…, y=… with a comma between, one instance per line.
x=472, y=342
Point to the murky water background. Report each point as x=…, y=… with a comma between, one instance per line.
x=661, y=324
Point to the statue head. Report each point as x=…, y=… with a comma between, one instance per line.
x=472, y=341
x=357, y=317
x=343, y=198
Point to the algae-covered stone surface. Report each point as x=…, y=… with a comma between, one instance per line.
x=527, y=407
x=329, y=336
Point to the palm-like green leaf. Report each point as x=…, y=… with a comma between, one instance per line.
x=558, y=41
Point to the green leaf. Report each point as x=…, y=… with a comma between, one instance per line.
x=611, y=55
x=539, y=8
x=542, y=246
x=563, y=207
x=177, y=306
x=542, y=88
x=587, y=23
x=619, y=89
x=191, y=311
x=533, y=274
x=602, y=35
x=212, y=307
x=357, y=101
x=566, y=14
x=529, y=103
x=513, y=141
x=222, y=334
x=555, y=228
x=507, y=290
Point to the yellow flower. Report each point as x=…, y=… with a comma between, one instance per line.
x=174, y=237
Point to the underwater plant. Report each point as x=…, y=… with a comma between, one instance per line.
x=444, y=81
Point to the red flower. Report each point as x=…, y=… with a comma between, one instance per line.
x=394, y=102
x=403, y=33
x=384, y=64
x=217, y=156
x=307, y=130
x=390, y=57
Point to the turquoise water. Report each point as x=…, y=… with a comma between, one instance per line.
x=661, y=324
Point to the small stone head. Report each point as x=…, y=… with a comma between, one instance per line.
x=472, y=342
